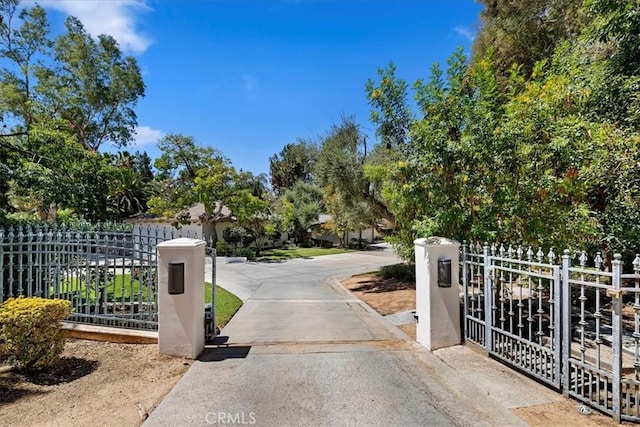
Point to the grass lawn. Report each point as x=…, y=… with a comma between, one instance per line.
x=283, y=254
x=226, y=304
x=121, y=286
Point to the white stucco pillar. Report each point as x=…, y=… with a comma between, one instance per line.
x=437, y=305
x=181, y=317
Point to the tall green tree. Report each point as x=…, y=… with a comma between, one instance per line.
x=300, y=208
x=254, y=214
x=390, y=111
x=294, y=163
x=340, y=169
x=540, y=155
x=93, y=87
x=24, y=41
x=525, y=32
x=58, y=96
x=189, y=174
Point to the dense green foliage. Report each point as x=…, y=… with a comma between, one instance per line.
x=403, y=272
x=525, y=32
x=540, y=153
x=533, y=140
x=294, y=163
x=61, y=99
x=350, y=196
x=299, y=208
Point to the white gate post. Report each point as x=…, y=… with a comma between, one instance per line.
x=181, y=312
x=437, y=292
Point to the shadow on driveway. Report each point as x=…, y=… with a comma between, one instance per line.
x=224, y=352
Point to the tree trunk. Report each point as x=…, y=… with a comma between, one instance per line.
x=380, y=208
x=53, y=212
x=209, y=232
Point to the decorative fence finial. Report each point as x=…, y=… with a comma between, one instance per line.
x=583, y=259
x=597, y=260
x=636, y=264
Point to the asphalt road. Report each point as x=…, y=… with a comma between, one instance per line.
x=303, y=351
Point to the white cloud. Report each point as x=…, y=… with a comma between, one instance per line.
x=250, y=83
x=465, y=32
x=145, y=135
x=115, y=18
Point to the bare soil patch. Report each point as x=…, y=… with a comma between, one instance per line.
x=96, y=383
x=409, y=329
x=562, y=413
x=388, y=296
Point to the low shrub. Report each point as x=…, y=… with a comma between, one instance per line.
x=223, y=248
x=250, y=253
x=31, y=331
x=236, y=235
x=403, y=271
x=358, y=243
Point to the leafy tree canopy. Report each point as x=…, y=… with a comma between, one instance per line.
x=294, y=163
x=538, y=152
x=60, y=99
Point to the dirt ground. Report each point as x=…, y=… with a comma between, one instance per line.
x=392, y=296
x=96, y=383
x=386, y=296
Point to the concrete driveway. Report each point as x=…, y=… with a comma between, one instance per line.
x=304, y=351
x=243, y=279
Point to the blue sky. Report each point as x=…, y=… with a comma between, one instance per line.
x=248, y=77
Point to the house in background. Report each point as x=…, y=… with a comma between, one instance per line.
x=196, y=225
x=321, y=232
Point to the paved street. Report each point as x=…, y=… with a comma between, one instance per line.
x=303, y=351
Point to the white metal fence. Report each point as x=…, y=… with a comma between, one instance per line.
x=565, y=320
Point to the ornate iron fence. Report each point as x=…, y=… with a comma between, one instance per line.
x=576, y=328
x=601, y=335
x=108, y=271
x=512, y=309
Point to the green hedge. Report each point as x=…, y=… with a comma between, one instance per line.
x=403, y=271
x=31, y=332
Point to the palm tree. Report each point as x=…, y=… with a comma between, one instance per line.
x=129, y=193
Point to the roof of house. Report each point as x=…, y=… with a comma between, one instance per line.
x=322, y=219
x=196, y=214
